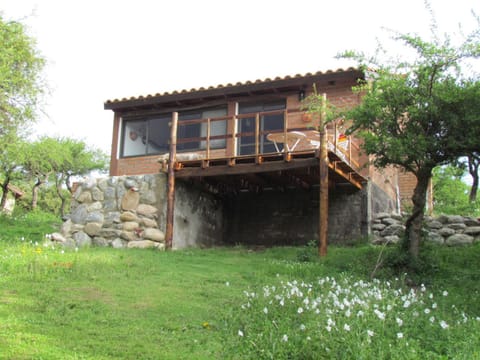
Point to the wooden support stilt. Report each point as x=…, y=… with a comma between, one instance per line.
x=323, y=169
x=171, y=183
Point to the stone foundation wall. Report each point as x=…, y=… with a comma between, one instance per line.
x=130, y=211
x=448, y=230
x=117, y=211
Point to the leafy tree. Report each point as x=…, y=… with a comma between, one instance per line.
x=21, y=83
x=44, y=156
x=450, y=192
x=77, y=160
x=415, y=114
x=58, y=160
x=12, y=159
x=21, y=87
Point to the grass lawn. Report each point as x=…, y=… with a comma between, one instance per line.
x=103, y=303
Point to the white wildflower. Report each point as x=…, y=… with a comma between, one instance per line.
x=379, y=314
x=370, y=333
x=240, y=333
x=443, y=324
x=302, y=327
x=445, y=293
x=284, y=338
x=346, y=327
x=300, y=310
x=434, y=305
x=400, y=335
x=399, y=321
x=426, y=311
x=432, y=319
x=406, y=304
x=265, y=310
x=329, y=328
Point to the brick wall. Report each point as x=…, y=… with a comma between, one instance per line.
x=138, y=166
x=407, y=182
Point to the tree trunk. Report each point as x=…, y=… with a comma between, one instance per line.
x=62, y=198
x=35, y=194
x=473, y=164
x=413, y=231
x=3, y=201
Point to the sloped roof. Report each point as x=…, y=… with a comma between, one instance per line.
x=291, y=81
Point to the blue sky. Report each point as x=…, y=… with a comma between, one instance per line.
x=107, y=49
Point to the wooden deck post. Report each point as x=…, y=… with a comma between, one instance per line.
x=323, y=164
x=171, y=182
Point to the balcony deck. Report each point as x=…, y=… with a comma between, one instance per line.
x=294, y=164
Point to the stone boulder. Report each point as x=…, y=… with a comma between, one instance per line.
x=394, y=229
x=100, y=241
x=129, y=216
x=147, y=210
x=154, y=234
x=79, y=214
x=459, y=239
x=149, y=223
x=434, y=224
x=142, y=244
x=82, y=239
x=118, y=243
x=435, y=238
x=473, y=230
x=57, y=237
x=446, y=232
x=455, y=219
x=457, y=226
x=93, y=228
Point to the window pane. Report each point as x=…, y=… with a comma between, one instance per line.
x=217, y=128
x=134, y=138
x=158, y=135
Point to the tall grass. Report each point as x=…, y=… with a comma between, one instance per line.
x=229, y=303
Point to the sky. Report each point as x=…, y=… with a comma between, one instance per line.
x=98, y=50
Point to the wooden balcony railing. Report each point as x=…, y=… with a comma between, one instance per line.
x=245, y=135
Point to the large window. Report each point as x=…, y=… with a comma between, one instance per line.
x=268, y=123
x=150, y=135
x=145, y=136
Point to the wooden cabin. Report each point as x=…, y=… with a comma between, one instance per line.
x=252, y=146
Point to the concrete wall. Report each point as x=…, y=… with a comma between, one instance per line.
x=198, y=218
x=291, y=217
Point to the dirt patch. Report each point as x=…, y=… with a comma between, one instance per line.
x=89, y=294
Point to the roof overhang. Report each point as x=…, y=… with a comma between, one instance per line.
x=258, y=87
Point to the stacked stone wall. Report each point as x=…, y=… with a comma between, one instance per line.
x=117, y=211
x=448, y=230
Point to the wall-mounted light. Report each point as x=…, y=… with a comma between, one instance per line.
x=301, y=95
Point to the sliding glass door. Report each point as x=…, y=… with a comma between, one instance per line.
x=268, y=123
